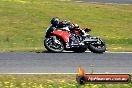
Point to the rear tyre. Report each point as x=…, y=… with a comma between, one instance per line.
x=97, y=48
x=52, y=45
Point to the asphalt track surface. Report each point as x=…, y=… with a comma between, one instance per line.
x=12, y=62
x=111, y=1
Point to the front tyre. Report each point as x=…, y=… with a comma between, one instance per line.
x=98, y=46
x=53, y=45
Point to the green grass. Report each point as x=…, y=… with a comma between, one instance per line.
x=50, y=81
x=23, y=22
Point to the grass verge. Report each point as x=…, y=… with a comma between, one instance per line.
x=50, y=81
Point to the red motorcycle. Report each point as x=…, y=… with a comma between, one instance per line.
x=59, y=39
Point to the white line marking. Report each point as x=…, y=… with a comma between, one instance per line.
x=117, y=52
x=111, y=52
x=104, y=52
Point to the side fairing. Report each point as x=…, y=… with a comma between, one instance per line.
x=63, y=34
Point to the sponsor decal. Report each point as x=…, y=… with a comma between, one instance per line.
x=83, y=78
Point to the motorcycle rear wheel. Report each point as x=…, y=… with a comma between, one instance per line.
x=52, y=47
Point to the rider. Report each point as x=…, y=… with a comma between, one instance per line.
x=57, y=23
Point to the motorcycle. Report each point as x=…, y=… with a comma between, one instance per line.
x=59, y=39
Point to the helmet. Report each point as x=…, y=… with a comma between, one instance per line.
x=55, y=21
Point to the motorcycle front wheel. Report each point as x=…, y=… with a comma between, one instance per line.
x=52, y=45
x=96, y=47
